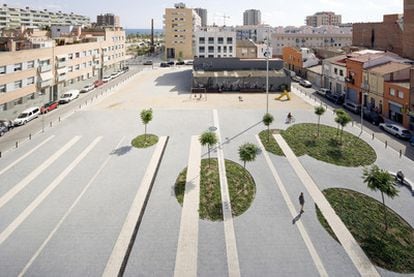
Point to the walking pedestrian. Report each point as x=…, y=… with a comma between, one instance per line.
x=301, y=202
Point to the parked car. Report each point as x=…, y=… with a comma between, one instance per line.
x=180, y=63
x=98, y=83
x=87, y=88
x=50, y=106
x=396, y=130
x=106, y=79
x=350, y=106
x=305, y=83
x=323, y=91
x=171, y=62
x=149, y=62
x=335, y=98
x=372, y=117
x=189, y=62
x=69, y=96
x=26, y=116
x=296, y=79
x=8, y=123
x=125, y=69
x=5, y=126
x=164, y=65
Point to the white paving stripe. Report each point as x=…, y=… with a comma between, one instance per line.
x=115, y=264
x=312, y=251
x=41, y=197
x=351, y=247
x=231, y=245
x=187, y=249
x=37, y=253
x=25, y=155
x=22, y=184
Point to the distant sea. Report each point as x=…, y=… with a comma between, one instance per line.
x=143, y=31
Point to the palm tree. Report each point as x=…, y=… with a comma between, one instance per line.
x=208, y=138
x=146, y=117
x=379, y=179
x=248, y=152
x=319, y=111
x=343, y=119
x=267, y=120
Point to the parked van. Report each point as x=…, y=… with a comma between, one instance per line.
x=69, y=96
x=355, y=108
x=27, y=115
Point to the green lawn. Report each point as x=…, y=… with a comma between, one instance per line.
x=143, y=141
x=242, y=189
x=392, y=249
x=271, y=144
x=352, y=152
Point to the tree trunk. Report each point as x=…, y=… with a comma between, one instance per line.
x=319, y=121
x=145, y=133
x=244, y=164
x=208, y=150
x=385, y=211
x=268, y=133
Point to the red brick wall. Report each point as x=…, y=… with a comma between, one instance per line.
x=408, y=39
x=402, y=101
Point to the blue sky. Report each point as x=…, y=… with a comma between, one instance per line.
x=138, y=13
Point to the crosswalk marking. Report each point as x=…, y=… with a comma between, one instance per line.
x=39, y=199
x=25, y=155
x=29, y=178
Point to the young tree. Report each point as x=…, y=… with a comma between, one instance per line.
x=267, y=120
x=248, y=152
x=342, y=119
x=210, y=139
x=379, y=179
x=338, y=112
x=146, y=117
x=319, y=111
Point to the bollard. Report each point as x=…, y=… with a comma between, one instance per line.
x=352, y=123
x=400, y=153
x=80, y=106
x=59, y=118
x=0, y=154
x=50, y=123
x=30, y=136
x=386, y=144
x=373, y=135
x=17, y=144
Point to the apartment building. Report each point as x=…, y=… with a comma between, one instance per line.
x=108, y=19
x=323, y=18
x=256, y=33
x=298, y=59
x=202, y=13
x=301, y=40
x=334, y=73
x=32, y=77
x=12, y=17
x=215, y=42
x=252, y=17
x=179, y=26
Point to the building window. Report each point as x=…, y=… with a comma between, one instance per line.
x=220, y=40
x=2, y=69
x=202, y=40
x=210, y=40
x=30, y=64
x=211, y=49
x=400, y=94
x=341, y=72
x=77, y=55
x=392, y=92
x=201, y=49
x=77, y=67
x=2, y=88
x=229, y=40
x=70, y=56
x=30, y=81
x=18, y=84
x=230, y=48
x=336, y=71
x=18, y=67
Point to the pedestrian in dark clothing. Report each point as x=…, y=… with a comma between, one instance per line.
x=301, y=202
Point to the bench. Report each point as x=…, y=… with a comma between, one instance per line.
x=407, y=182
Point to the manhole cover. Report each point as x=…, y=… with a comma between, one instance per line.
x=212, y=129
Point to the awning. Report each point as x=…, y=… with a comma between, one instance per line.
x=63, y=70
x=46, y=76
x=61, y=56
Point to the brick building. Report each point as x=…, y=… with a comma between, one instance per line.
x=395, y=33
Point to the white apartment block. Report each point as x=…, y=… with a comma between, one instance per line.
x=323, y=18
x=257, y=33
x=311, y=37
x=32, y=77
x=215, y=42
x=12, y=17
x=334, y=73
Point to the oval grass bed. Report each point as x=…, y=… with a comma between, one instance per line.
x=363, y=216
x=242, y=189
x=270, y=143
x=143, y=141
x=351, y=152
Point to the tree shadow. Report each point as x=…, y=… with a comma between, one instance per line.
x=121, y=150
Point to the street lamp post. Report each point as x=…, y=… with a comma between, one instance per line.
x=362, y=109
x=267, y=54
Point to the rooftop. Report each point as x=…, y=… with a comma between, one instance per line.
x=389, y=68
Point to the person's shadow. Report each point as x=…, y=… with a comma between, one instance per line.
x=296, y=218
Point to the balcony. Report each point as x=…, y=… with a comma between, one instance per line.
x=350, y=80
x=44, y=68
x=46, y=83
x=61, y=78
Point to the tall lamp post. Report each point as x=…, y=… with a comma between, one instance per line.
x=267, y=54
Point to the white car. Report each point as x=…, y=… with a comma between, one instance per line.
x=106, y=79
x=305, y=83
x=26, y=115
x=69, y=96
x=87, y=88
x=393, y=129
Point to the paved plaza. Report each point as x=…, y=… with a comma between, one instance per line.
x=78, y=200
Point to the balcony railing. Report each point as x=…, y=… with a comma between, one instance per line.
x=46, y=83
x=44, y=68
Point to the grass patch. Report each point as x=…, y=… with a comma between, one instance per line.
x=141, y=142
x=352, y=152
x=363, y=216
x=271, y=145
x=242, y=189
